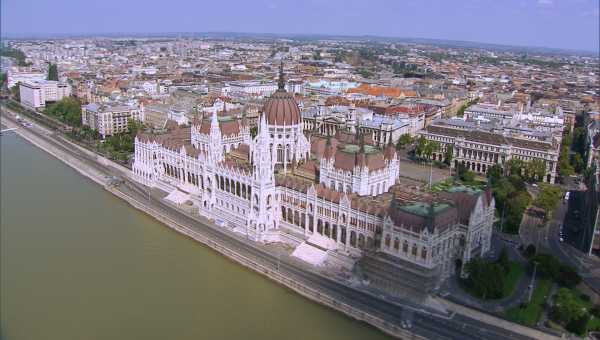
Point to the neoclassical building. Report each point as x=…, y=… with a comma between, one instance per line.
x=336, y=199
x=478, y=149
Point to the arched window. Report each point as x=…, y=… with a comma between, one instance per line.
x=388, y=240
x=290, y=216
x=353, y=238
x=327, y=229
x=320, y=227
x=396, y=244
x=423, y=253
x=283, y=212
x=296, y=218
x=405, y=247
x=414, y=250
x=361, y=241
x=279, y=153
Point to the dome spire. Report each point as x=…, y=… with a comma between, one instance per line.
x=281, y=81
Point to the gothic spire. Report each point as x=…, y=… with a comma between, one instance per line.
x=281, y=81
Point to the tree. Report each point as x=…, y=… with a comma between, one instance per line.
x=515, y=208
x=465, y=174
x=548, y=266
x=494, y=174
x=503, y=260
x=52, y=72
x=536, y=170
x=67, y=110
x=579, y=325
x=530, y=251
x=578, y=163
x=548, y=198
x=485, y=279
x=317, y=55
x=404, y=140
x=566, y=307
x=420, y=147
x=2, y=79
x=515, y=166
x=448, y=154
x=15, y=91
x=430, y=148
x=568, y=277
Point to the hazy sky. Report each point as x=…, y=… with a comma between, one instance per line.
x=571, y=24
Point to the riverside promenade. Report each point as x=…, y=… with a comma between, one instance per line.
x=385, y=315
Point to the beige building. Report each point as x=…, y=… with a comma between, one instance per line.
x=110, y=119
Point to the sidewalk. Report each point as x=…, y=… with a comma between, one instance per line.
x=490, y=319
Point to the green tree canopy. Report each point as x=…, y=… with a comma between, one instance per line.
x=566, y=307
x=485, y=279
x=548, y=198
x=52, y=72
x=536, y=170
x=67, y=110
x=404, y=140
x=494, y=174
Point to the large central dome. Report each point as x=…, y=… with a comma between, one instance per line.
x=281, y=108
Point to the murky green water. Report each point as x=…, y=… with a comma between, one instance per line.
x=77, y=263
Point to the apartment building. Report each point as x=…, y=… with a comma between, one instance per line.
x=35, y=94
x=110, y=119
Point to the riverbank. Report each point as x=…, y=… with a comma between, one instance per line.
x=384, y=315
x=103, y=179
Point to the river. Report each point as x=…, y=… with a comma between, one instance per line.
x=78, y=263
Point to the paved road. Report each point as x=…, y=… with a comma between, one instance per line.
x=424, y=323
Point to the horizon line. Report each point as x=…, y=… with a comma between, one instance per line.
x=13, y=35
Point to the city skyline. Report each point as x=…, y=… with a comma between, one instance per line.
x=557, y=24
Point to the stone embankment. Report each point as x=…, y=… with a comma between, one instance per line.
x=100, y=170
x=102, y=178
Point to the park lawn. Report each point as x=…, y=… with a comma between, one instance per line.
x=531, y=313
x=512, y=278
x=594, y=324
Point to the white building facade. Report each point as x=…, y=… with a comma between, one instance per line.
x=35, y=94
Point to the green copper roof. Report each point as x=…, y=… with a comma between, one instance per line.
x=353, y=148
x=422, y=209
x=462, y=188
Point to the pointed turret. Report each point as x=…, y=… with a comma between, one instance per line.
x=390, y=151
x=281, y=81
x=215, y=146
x=329, y=151
x=263, y=163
